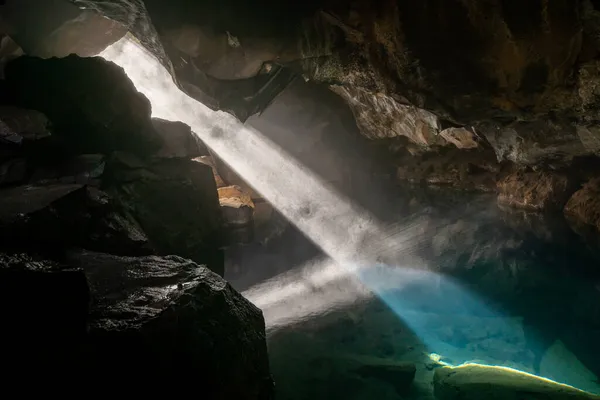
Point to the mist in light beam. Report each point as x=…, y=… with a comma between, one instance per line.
x=365, y=258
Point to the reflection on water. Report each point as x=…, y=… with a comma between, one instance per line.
x=493, y=286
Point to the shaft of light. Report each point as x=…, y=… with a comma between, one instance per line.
x=340, y=228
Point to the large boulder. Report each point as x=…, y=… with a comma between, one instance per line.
x=474, y=382
x=175, y=202
x=93, y=106
x=169, y=318
x=537, y=191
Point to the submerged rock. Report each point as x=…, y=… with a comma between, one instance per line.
x=538, y=191
x=474, y=382
x=177, y=321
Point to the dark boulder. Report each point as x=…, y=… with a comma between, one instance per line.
x=44, y=307
x=179, y=140
x=169, y=318
x=176, y=204
x=93, y=106
x=53, y=218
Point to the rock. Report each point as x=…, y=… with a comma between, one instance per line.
x=179, y=140
x=473, y=169
x=460, y=137
x=29, y=124
x=8, y=50
x=584, y=205
x=559, y=364
x=61, y=216
x=13, y=171
x=44, y=308
x=93, y=106
x=472, y=381
x=537, y=191
x=208, y=160
x=391, y=119
x=176, y=320
x=237, y=207
x=57, y=28
x=176, y=204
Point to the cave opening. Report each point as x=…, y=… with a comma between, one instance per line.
x=176, y=194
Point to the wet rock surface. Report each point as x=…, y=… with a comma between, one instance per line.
x=475, y=381
x=178, y=318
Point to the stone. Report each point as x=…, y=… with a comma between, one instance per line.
x=13, y=171
x=8, y=50
x=93, y=106
x=44, y=308
x=473, y=381
x=584, y=205
x=53, y=218
x=237, y=207
x=537, y=191
x=176, y=320
x=57, y=28
x=28, y=124
x=179, y=140
x=176, y=203
x=460, y=137
x=560, y=364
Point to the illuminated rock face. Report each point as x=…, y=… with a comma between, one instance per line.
x=471, y=382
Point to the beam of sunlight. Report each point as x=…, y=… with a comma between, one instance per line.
x=364, y=256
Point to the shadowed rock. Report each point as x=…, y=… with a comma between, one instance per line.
x=176, y=320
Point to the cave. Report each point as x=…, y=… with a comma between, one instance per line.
x=330, y=199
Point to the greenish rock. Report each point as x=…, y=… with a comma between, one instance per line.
x=475, y=382
x=176, y=204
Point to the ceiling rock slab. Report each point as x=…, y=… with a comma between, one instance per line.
x=497, y=65
x=56, y=28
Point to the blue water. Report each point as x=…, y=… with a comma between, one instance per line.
x=500, y=288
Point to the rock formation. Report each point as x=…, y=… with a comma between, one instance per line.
x=117, y=233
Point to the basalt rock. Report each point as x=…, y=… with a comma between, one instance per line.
x=53, y=218
x=537, y=191
x=175, y=320
x=175, y=202
x=179, y=140
x=93, y=106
